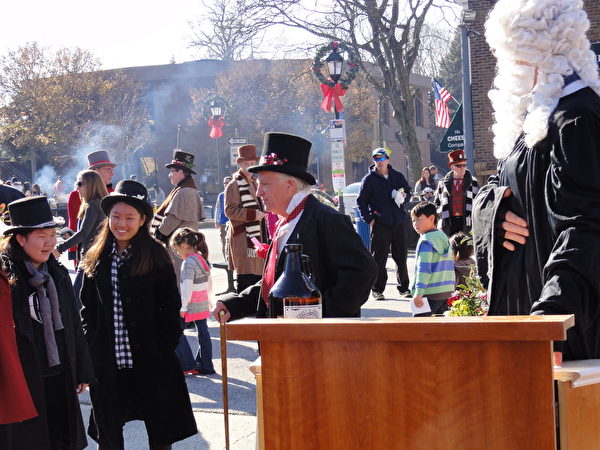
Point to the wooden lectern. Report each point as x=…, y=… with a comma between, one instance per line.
x=411, y=383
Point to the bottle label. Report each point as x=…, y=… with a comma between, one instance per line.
x=303, y=312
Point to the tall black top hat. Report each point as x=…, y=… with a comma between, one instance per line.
x=182, y=160
x=99, y=159
x=285, y=153
x=130, y=192
x=30, y=213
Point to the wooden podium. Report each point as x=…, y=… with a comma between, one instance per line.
x=412, y=383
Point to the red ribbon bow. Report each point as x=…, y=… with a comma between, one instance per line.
x=332, y=94
x=216, y=130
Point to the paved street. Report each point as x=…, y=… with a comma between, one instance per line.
x=206, y=392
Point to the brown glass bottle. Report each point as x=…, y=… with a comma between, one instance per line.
x=294, y=295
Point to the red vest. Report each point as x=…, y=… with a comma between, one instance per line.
x=457, y=204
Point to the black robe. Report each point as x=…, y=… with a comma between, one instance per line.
x=151, y=305
x=556, y=189
x=343, y=269
x=33, y=433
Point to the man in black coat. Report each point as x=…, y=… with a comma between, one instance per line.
x=342, y=268
x=380, y=201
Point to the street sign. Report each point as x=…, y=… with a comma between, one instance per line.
x=337, y=130
x=454, y=139
x=338, y=171
x=234, y=143
x=237, y=141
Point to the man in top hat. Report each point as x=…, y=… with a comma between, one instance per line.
x=245, y=212
x=182, y=207
x=380, y=202
x=342, y=268
x=455, y=194
x=100, y=162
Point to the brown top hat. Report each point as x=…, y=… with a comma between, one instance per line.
x=455, y=157
x=247, y=153
x=99, y=159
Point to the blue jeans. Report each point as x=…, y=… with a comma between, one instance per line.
x=203, y=360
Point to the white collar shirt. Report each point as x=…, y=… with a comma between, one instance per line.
x=285, y=231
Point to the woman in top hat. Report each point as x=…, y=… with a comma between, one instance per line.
x=52, y=349
x=130, y=313
x=547, y=140
x=245, y=212
x=454, y=195
x=182, y=207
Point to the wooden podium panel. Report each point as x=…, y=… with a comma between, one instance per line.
x=417, y=383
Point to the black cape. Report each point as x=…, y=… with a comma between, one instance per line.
x=556, y=189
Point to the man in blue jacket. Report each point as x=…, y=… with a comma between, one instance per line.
x=380, y=201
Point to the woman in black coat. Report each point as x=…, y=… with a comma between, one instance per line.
x=129, y=281
x=50, y=342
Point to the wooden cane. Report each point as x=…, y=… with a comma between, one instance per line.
x=223, y=333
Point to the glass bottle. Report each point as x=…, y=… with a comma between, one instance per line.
x=294, y=295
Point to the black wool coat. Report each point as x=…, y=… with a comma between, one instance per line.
x=151, y=306
x=343, y=269
x=32, y=433
x=556, y=189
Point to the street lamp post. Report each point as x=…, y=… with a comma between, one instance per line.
x=468, y=18
x=215, y=110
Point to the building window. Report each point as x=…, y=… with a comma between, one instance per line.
x=418, y=109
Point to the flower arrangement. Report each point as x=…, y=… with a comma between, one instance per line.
x=470, y=299
x=272, y=160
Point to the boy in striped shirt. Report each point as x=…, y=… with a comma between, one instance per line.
x=434, y=266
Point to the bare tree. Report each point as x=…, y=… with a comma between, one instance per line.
x=385, y=33
x=227, y=29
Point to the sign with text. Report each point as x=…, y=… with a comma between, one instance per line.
x=337, y=130
x=454, y=139
x=596, y=50
x=338, y=171
x=234, y=143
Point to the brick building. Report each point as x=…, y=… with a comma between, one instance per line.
x=482, y=75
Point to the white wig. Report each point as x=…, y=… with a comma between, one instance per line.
x=549, y=34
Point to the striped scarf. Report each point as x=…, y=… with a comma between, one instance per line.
x=253, y=229
x=443, y=198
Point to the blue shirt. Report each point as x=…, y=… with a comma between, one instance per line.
x=220, y=216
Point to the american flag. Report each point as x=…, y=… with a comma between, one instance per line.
x=442, y=114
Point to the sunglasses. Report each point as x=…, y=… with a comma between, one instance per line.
x=381, y=158
x=460, y=166
x=80, y=183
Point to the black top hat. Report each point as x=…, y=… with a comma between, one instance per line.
x=30, y=213
x=182, y=160
x=130, y=192
x=99, y=159
x=285, y=153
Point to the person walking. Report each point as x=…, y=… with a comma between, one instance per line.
x=454, y=195
x=182, y=207
x=130, y=314
x=245, y=212
x=196, y=294
x=221, y=220
x=52, y=349
x=380, y=203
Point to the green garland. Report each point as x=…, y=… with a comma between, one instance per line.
x=225, y=107
x=351, y=63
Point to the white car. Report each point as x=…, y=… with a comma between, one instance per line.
x=350, y=196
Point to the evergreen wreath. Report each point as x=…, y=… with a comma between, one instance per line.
x=211, y=101
x=351, y=62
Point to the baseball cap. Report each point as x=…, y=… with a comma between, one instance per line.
x=380, y=152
